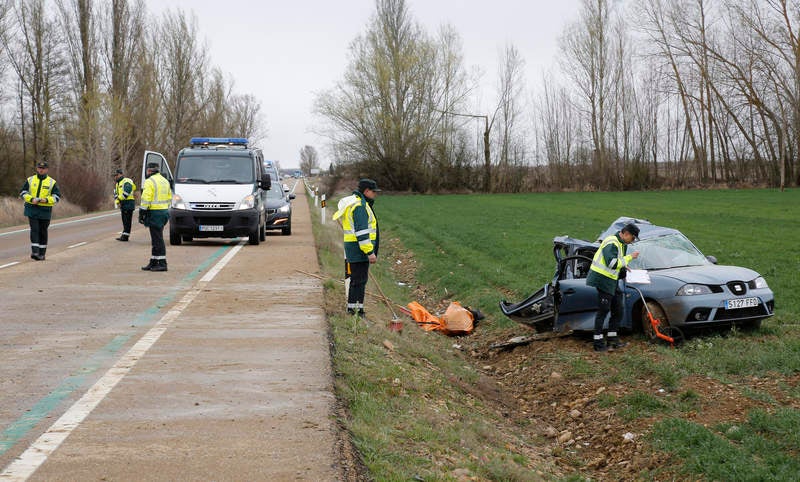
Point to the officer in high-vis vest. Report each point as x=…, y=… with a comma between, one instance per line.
x=610, y=264
x=123, y=198
x=40, y=193
x=361, y=240
x=154, y=213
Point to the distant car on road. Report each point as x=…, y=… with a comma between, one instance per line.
x=687, y=289
x=279, y=209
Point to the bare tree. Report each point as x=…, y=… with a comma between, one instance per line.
x=180, y=62
x=309, y=159
x=511, y=142
x=383, y=116
x=588, y=62
x=32, y=44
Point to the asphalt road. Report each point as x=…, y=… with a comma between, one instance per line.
x=218, y=369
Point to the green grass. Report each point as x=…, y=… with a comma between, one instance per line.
x=475, y=247
x=411, y=411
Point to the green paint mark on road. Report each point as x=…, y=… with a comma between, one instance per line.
x=20, y=428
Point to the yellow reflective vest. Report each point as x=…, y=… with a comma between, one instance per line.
x=41, y=188
x=615, y=265
x=360, y=227
x=119, y=190
x=156, y=193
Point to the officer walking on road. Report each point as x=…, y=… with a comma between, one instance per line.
x=123, y=198
x=610, y=264
x=40, y=193
x=154, y=213
x=361, y=240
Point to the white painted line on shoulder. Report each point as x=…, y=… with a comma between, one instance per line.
x=9, y=264
x=38, y=452
x=76, y=245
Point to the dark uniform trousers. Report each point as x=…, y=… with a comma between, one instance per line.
x=359, y=273
x=127, y=217
x=39, y=234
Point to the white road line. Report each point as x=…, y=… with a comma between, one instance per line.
x=38, y=452
x=76, y=245
x=61, y=224
x=9, y=264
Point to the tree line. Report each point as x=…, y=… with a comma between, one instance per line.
x=89, y=85
x=646, y=94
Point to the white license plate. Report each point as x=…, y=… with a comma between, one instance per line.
x=211, y=227
x=741, y=303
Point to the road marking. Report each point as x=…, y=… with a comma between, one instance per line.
x=9, y=264
x=61, y=224
x=37, y=453
x=76, y=245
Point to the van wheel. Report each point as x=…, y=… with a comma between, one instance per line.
x=287, y=230
x=262, y=233
x=174, y=238
x=254, y=237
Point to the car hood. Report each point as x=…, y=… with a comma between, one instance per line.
x=708, y=275
x=213, y=192
x=275, y=203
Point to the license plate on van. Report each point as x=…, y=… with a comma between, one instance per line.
x=211, y=227
x=741, y=303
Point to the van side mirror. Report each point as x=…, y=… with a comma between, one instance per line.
x=292, y=196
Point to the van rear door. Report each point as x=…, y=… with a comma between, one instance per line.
x=150, y=156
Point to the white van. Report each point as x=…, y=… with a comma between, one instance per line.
x=219, y=190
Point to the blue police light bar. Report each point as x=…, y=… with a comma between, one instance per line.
x=204, y=141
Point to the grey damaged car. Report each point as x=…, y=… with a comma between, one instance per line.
x=687, y=290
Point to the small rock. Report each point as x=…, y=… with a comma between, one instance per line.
x=396, y=382
x=550, y=432
x=556, y=376
x=388, y=345
x=565, y=437
x=575, y=413
x=600, y=390
x=628, y=437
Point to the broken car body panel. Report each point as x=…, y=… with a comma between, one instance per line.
x=689, y=287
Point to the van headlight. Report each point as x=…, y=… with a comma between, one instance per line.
x=284, y=209
x=247, y=203
x=177, y=202
x=693, y=289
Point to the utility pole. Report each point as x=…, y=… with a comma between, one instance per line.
x=487, y=158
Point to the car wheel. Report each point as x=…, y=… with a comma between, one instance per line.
x=647, y=324
x=174, y=238
x=254, y=238
x=262, y=232
x=286, y=231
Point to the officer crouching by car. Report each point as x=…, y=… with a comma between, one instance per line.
x=154, y=213
x=610, y=264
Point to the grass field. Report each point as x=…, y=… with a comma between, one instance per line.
x=727, y=406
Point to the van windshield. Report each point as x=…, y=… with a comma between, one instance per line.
x=216, y=169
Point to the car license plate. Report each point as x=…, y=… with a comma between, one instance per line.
x=741, y=303
x=211, y=227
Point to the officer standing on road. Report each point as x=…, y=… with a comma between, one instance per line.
x=123, y=198
x=361, y=240
x=154, y=213
x=610, y=264
x=40, y=193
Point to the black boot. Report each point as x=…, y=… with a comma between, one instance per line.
x=161, y=265
x=122, y=237
x=40, y=257
x=150, y=266
x=35, y=253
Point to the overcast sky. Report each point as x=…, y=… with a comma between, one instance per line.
x=284, y=51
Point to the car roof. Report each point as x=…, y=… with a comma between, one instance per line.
x=647, y=230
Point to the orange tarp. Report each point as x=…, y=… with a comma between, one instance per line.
x=456, y=320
